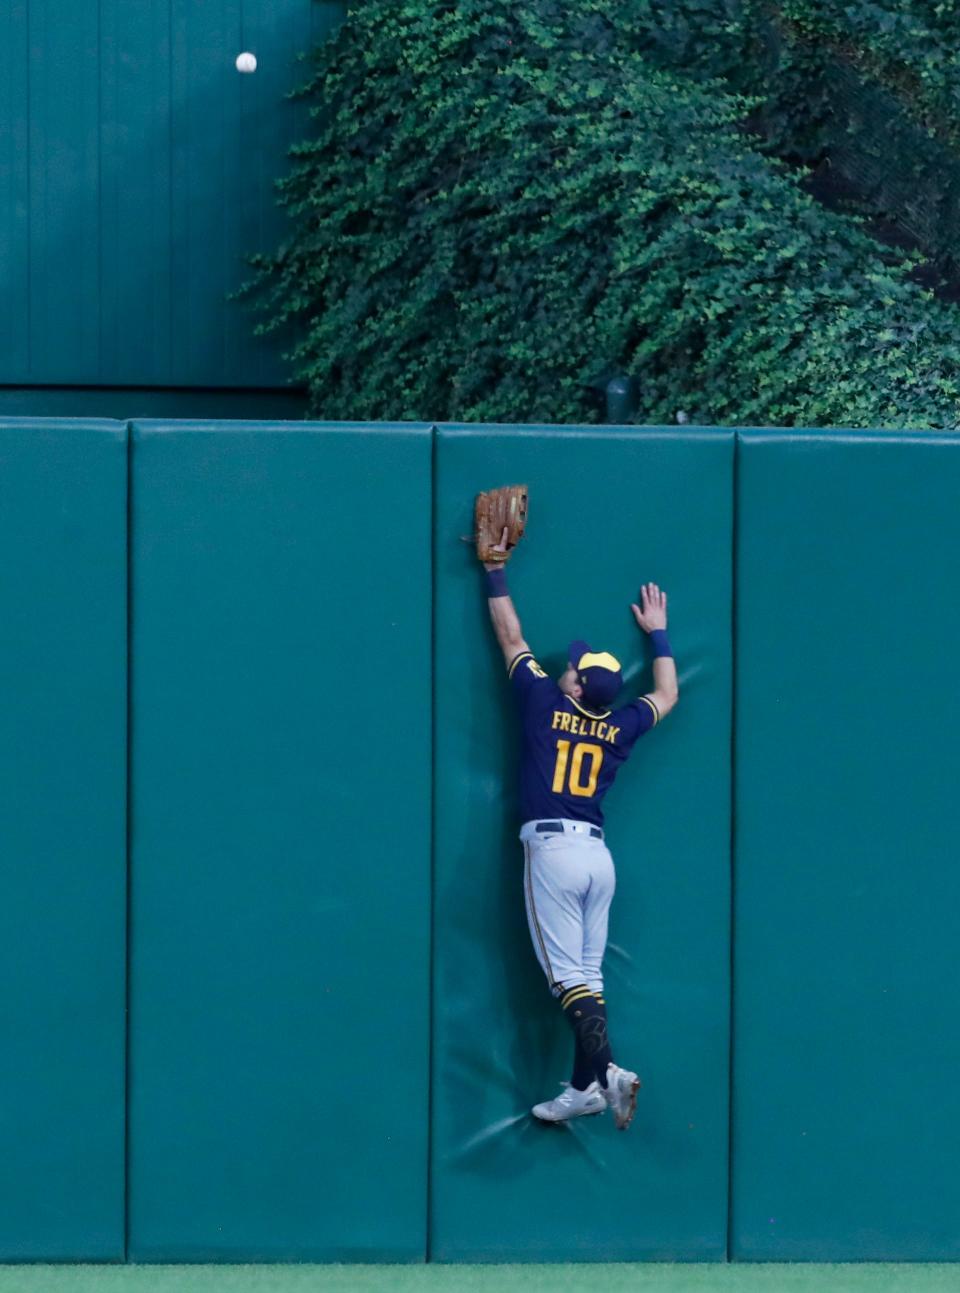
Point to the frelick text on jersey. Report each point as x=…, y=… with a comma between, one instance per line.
x=578, y=726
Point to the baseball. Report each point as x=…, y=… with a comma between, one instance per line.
x=246, y=62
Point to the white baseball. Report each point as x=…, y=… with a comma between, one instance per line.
x=246, y=62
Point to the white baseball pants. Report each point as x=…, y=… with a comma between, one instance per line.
x=568, y=882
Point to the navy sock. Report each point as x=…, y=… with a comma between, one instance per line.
x=608, y=1051
x=582, y=1067
x=587, y=1016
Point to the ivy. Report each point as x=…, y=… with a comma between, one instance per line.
x=868, y=94
x=911, y=48
x=497, y=203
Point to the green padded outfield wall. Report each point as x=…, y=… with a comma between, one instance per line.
x=280, y=869
x=846, y=1032
x=137, y=166
x=63, y=539
x=609, y=509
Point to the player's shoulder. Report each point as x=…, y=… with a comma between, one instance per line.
x=528, y=663
x=525, y=670
x=646, y=705
x=529, y=680
x=640, y=712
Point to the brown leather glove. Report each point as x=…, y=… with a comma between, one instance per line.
x=496, y=511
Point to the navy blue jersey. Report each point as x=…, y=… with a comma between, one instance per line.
x=570, y=754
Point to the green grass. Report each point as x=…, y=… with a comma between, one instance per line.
x=609, y=1278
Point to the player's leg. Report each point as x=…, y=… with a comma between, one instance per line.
x=583, y=1074
x=559, y=879
x=554, y=883
x=587, y=1017
x=594, y=943
x=552, y=889
x=596, y=917
x=592, y=1053
x=622, y=1084
x=584, y=1069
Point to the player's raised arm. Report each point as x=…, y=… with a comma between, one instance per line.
x=503, y=613
x=651, y=616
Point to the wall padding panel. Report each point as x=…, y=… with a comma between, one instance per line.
x=63, y=538
x=847, y=1030
x=281, y=842
x=609, y=509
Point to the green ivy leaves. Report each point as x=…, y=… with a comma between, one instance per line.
x=499, y=202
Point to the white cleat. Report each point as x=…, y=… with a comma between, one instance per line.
x=621, y=1094
x=571, y=1103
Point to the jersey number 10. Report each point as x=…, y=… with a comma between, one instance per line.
x=577, y=785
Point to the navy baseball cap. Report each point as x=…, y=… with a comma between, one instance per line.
x=599, y=673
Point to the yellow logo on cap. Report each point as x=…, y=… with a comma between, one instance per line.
x=598, y=660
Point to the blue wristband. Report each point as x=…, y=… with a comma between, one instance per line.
x=661, y=643
x=497, y=582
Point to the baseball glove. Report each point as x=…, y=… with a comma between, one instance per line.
x=496, y=511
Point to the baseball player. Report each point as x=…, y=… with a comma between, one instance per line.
x=573, y=745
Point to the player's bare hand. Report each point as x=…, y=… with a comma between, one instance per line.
x=652, y=612
x=498, y=547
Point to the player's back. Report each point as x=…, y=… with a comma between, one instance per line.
x=570, y=753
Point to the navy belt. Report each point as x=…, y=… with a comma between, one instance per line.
x=546, y=827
